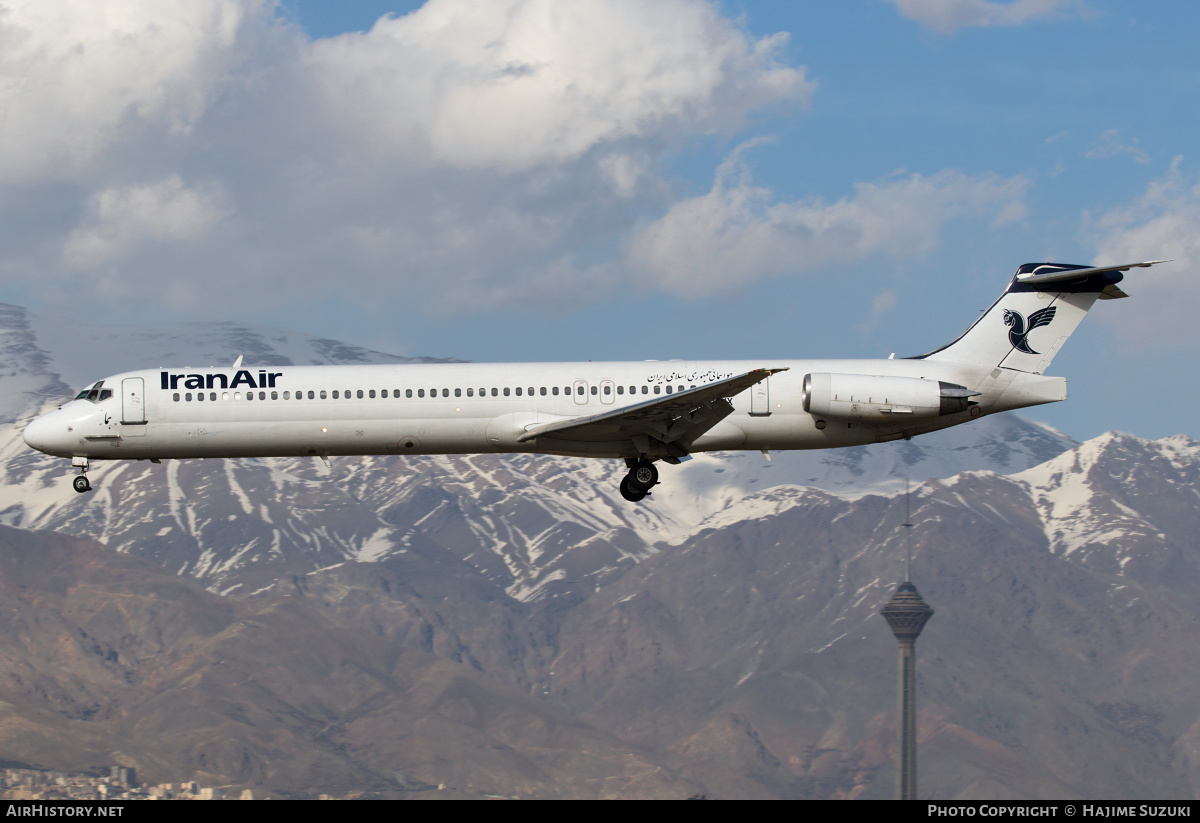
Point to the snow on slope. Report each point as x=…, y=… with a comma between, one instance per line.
x=537, y=525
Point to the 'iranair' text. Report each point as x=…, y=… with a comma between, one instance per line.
x=266, y=380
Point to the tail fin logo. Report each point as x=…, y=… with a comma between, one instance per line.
x=1018, y=334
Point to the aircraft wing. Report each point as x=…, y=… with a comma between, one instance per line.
x=673, y=418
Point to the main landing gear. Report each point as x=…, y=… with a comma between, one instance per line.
x=641, y=478
x=80, y=483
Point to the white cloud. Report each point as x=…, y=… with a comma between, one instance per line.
x=738, y=232
x=1163, y=223
x=883, y=303
x=123, y=218
x=1110, y=144
x=76, y=77
x=523, y=82
x=465, y=156
x=946, y=16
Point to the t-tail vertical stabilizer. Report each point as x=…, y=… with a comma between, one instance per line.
x=1029, y=323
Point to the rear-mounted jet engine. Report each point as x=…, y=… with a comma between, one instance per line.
x=872, y=397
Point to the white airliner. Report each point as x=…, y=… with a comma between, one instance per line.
x=639, y=412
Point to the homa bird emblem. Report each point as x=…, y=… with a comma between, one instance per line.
x=1018, y=334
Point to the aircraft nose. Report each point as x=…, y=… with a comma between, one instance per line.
x=40, y=434
x=35, y=434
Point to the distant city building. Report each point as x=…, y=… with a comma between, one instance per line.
x=124, y=775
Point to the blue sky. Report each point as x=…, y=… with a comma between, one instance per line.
x=599, y=179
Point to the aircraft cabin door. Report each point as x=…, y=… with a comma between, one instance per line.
x=133, y=401
x=608, y=391
x=580, y=389
x=760, y=398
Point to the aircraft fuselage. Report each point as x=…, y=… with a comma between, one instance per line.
x=460, y=408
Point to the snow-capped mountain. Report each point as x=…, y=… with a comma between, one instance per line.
x=727, y=626
x=537, y=525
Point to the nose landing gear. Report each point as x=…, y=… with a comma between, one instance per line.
x=642, y=477
x=80, y=483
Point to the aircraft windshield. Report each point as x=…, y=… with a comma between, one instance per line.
x=95, y=394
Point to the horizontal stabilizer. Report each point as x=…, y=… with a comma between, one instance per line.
x=1050, y=273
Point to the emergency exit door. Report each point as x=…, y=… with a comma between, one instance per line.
x=760, y=398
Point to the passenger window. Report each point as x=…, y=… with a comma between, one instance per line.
x=531, y=391
x=188, y=397
x=645, y=389
x=607, y=389
x=458, y=392
x=323, y=395
x=311, y=396
x=506, y=392
x=262, y=395
x=359, y=394
x=470, y=392
x=554, y=391
x=579, y=389
x=287, y=395
x=371, y=393
x=200, y=395
x=518, y=391
x=408, y=392
x=175, y=397
x=274, y=395
x=658, y=389
x=594, y=390
x=224, y=395
x=494, y=392
x=420, y=392
x=335, y=394
x=670, y=389
x=543, y=391
x=620, y=389
x=445, y=392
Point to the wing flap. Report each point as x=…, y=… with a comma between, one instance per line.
x=682, y=416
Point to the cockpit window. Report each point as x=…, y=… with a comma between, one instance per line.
x=95, y=393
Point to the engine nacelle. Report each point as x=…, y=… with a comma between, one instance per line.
x=874, y=397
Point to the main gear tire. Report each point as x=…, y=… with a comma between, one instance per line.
x=643, y=476
x=630, y=492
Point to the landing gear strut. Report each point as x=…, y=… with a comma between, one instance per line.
x=80, y=483
x=642, y=477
